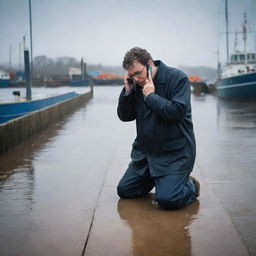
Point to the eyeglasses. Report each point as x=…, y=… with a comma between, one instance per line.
x=137, y=73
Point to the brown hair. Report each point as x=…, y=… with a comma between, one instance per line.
x=136, y=53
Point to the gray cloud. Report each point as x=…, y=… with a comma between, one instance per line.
x=178, y=32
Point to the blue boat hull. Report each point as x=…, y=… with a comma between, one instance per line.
x=10, y=111
x=4, y=83
x=238, y=87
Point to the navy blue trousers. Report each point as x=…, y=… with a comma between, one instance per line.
x=172, y=191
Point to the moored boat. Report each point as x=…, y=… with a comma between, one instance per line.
x=237, y=80
x=238, y=85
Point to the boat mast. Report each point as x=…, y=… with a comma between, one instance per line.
x=226, y=16
x=27, y=75
x=31, y=45
x=19, y=56
x=245, y=38
x=10, y=58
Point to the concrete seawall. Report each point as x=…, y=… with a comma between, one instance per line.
x=17, y=130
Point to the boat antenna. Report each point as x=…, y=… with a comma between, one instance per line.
x=24, y=42
x=226, y=16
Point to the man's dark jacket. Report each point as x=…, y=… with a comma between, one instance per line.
x=165, y=136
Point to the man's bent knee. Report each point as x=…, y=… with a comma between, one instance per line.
x=126, y=193
x=122, y=192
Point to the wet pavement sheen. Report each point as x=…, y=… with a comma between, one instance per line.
x=61, y=193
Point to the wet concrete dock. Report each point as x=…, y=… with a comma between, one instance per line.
x=61, y=198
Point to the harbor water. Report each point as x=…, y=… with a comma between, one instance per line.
x=48, y=203
x=6, y=94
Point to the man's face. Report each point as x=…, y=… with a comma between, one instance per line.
x=138, y=73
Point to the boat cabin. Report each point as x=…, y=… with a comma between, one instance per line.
x=239, y=58
x=239, y=65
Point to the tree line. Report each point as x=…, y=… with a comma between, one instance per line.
x=45, y=67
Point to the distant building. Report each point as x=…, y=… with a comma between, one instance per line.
x=4, y=75
x=4, y=78
x=74, y=74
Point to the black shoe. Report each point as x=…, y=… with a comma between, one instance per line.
x=197, y=184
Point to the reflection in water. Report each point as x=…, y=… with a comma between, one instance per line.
x=236, y=114
x=155, y=231
x=21, y=157
x=16, y=204
x=200, y=97
x=235, y=141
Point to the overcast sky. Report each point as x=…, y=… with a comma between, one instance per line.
x=180, y=32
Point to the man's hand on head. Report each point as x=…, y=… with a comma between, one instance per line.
x=128, y=86
x=149, y=86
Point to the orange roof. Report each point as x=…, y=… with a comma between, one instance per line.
x=195, y=78
x=107, y=76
